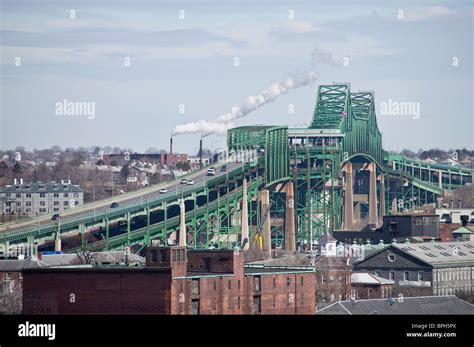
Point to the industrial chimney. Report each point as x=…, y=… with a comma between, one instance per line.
x=200, y=153
x=170, y=155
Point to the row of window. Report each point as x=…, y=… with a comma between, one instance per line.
x=406, y=275
x=453, y=275
x=43, y=203
x=42, y=195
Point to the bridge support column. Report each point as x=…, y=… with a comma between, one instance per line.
x=182, y=224
x=440, y=179
x=57, y=243
x=357, y=212
x=245, y=217
x=264, y=198
x=373, y=217
x=382, y=196
x=290, y=230
x=348, y=199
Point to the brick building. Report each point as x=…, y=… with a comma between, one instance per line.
x=174, y=281
x=333, y=278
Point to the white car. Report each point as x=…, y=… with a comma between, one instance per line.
x=190, y=183
x=184, y=181
x=163, y=191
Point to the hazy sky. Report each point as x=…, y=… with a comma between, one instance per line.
x=405, y=51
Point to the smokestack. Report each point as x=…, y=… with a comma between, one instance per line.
x=200, y=153
x=170, y=159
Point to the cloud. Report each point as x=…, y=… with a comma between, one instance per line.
x=427, y=13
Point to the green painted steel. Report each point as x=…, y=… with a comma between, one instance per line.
x=343, y=128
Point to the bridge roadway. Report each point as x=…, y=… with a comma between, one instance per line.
x=174, y=187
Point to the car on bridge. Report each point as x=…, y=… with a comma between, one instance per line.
x=163, y=191
x=184, y=181
x=211, y=171
x=224, y=168
x=190, y=183
x=56, y=216
x=114, y=205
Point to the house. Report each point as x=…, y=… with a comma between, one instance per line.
x=435, y=268
x=368, y=286
x=463, y=234
x=425, y=305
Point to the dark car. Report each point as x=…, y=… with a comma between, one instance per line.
x=55, y=216
x=224, y=168
x=114, y=204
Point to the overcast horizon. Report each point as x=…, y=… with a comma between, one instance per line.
x=146, y=67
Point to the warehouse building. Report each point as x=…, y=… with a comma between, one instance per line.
x=435, y=268
x=174, y=281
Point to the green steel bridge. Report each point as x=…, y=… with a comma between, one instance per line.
x=332, y=175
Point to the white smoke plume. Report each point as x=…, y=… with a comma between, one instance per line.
x=268, y=94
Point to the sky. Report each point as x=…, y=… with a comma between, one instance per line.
x=147, y=66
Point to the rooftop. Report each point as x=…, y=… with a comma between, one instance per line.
x=367, y=278
x=425, y=305
x=439, y=254
x=40, y=187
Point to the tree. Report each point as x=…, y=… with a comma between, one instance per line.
x=183, y=165
x=79, y=156
x=17, y=168
x=125, y=172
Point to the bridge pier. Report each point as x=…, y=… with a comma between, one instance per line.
x=290, y=230
x=373, y=216
x=348, y=199
x=182, y=224
x=264, y=198
x=245, y=217
x=382, y=196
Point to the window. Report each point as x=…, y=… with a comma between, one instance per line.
x=238, y=302
x=256, y=283
x=420, y=276
x=56, y=195
x=153, y=256
x=288, y=281
x=391, y=275
x=42, y=203
x=66, y=195
x=238, y=284
x=18, y=195
x=274, y=282
x=406, y=276
x=28, y=195
x=274, y=301
x=65, y=203
x=377, y=273
x=230, y=284
x=173, y=253
x=56, y=203
x=302, y=280
x=195, y=287
x=28, y=203
x=215, y=285
x=195, y=307
x=18, y=203
x=391, y=258
x=42, y=195
x=162, y=256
